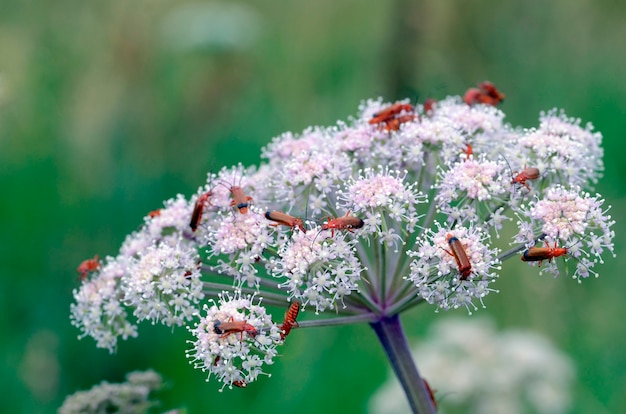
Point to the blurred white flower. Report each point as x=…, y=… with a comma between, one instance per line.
x=130, y=397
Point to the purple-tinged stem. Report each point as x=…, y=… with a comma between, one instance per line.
x=391, y=335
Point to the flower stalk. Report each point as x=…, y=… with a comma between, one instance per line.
x=392, y=338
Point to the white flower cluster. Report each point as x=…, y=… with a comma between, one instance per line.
x=471, y=189
x=155, y=277
x=575, y=223
x=320, y=272
x=387, y=199
x=447, y=280
x=130, y=397
x=234, y=340
x=163, y=284
x=560, y=145
x=243, y=241
x=99, y=311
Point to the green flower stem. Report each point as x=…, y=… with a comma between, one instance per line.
x=208, y=270
x=391, y=336
x=409, y=299
x=342, y=320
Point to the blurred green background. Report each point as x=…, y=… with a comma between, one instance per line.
x=107, y=108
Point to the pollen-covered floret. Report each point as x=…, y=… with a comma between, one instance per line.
x=469, y=119
x=471, y=188
x=388, y=196
x=436, y=272
x=571, y=154
x=166, y=226
x=381, y=188
x=163, y=284
x=318, y=270
x=234, y=339
x=317, y=163
x=573, y=220
x=238, y=241
x=288, y=144
x=174, y=216
x=99, y=311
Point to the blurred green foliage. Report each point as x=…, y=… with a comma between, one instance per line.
x=107, y=108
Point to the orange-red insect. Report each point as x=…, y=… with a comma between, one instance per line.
x=394, y=124
x=431, y=393
x=390, y=112
x=486, y=93
x=346, y=222
x=227, y=328
x=285, y=220
x=491, y=91
x=474, y=96
x=529, y=173
x=240, y=383
x=290, y=319
x=88, y=266
x=154, y=213
x=458, y=252
x=429, y=105
x=240, y=199
x=539, y=254
x=196, y=215
x=391, y=117
x=468, y=151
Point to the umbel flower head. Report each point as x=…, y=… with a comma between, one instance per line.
x=400, y=205
x=234, y=339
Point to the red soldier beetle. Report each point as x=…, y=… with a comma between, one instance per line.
x=394, y=124
x=468, y=151
x=154, y=213
x=284, y=219
x=88, y=266
x=240, y=383
x=430, y=393
x=290, y=320
x=346, y=222
x=429, y=105
x=491, y=90
x=196, y=215
x=227, y=328
x=486, y=93
x=390, y=119
x=539, y=254
x=472, y=96
x=390, y=112
x=528, y=173
x=240, y=199
x=458, y=252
